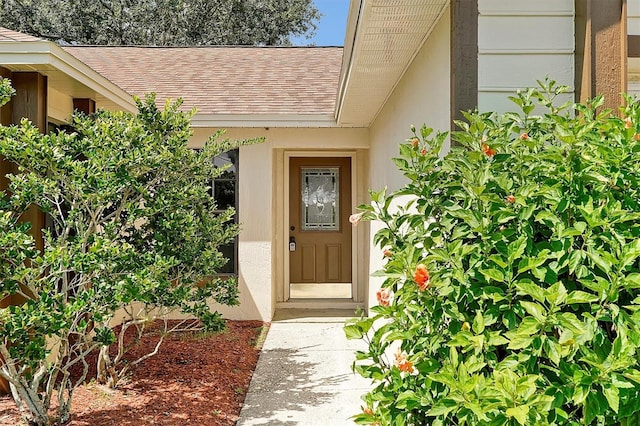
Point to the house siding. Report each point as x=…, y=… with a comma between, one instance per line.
x=519, y=42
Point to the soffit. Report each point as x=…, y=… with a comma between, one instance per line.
x=386, y=37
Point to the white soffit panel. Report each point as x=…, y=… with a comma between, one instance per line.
x=390, y=33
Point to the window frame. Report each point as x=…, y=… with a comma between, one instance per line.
x=234, y=261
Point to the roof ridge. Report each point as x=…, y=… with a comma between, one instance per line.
x=209, y=46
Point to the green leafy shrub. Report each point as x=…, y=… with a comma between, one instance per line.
x=133, y=236
x=511, y=286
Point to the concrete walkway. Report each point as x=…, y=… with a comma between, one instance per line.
x=304, y=376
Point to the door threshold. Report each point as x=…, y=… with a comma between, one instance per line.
x=317, y=316
x=320, y=304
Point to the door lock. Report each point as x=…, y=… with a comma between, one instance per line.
x=292, y=243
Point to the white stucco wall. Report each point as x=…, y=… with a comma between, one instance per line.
x=519, y=42
x=261, y=203
x=421, y=97
x=59, y=105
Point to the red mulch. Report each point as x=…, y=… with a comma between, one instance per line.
x=193, y=380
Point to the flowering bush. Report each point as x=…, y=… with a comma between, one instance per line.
x=512, y=275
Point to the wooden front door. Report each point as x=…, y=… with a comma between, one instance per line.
x=319, y=228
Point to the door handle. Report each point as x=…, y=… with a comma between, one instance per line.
x=292, y=243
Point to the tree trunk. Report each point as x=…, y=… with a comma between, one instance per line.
x=106, y=371
x=31, y=406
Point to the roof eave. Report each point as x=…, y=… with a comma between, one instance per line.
x=263, y=120
x=359, y=101
x=35, y=55
x=353, y=22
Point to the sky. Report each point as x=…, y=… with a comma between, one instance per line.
x=332, y=25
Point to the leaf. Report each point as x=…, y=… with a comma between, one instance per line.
x=519, y=342
x=493, y=274
x=496, y=339
x=552, y=351
x=516, y=249
x=578, y=296
x=603, y=264
x=520, y=413
x=591, y=408
x=534, y=309
x=442, y=408
x=632, y=374
x=407, y=400
x=612, y=395
x=556, y=294
x=632, y=280
x=478, y=323
x=353, y=332
x=530, y=289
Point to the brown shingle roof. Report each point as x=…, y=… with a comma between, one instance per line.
x=225, y=80
x=9, y=35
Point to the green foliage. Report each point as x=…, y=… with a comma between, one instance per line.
x=133, y=230
x=6, y=91
x=162, y=22
x=530, y=315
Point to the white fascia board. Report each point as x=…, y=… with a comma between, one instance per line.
x=49, y=54
x=81, y=72
x=263, y=120
x=353, y=24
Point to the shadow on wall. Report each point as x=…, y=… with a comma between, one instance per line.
x=248, y=308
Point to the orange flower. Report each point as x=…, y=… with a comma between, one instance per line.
x=403, y=363
x=415, y=142
x=511, y=199
x=421, y=277
x=524, y=136
x=489, y=152
x=368, y=411
x=387, y=253
x=384, y=296
x=423, y=151
x=636, y=136
x=628, y=123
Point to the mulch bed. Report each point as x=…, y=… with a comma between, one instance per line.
x=193, y=380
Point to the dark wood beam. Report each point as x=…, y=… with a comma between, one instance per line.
x=30, y=100
x=601, y=50
x=5, y=111
x=463, y=57
x=5, y=120
x=85, y=105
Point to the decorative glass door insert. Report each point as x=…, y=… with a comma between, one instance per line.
x=320, y=199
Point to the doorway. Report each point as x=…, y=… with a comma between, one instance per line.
x=319, y=233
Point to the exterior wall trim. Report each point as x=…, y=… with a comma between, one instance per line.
x=601, y=50
x=263, y=120
x=464, y=58
x=282, y=289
